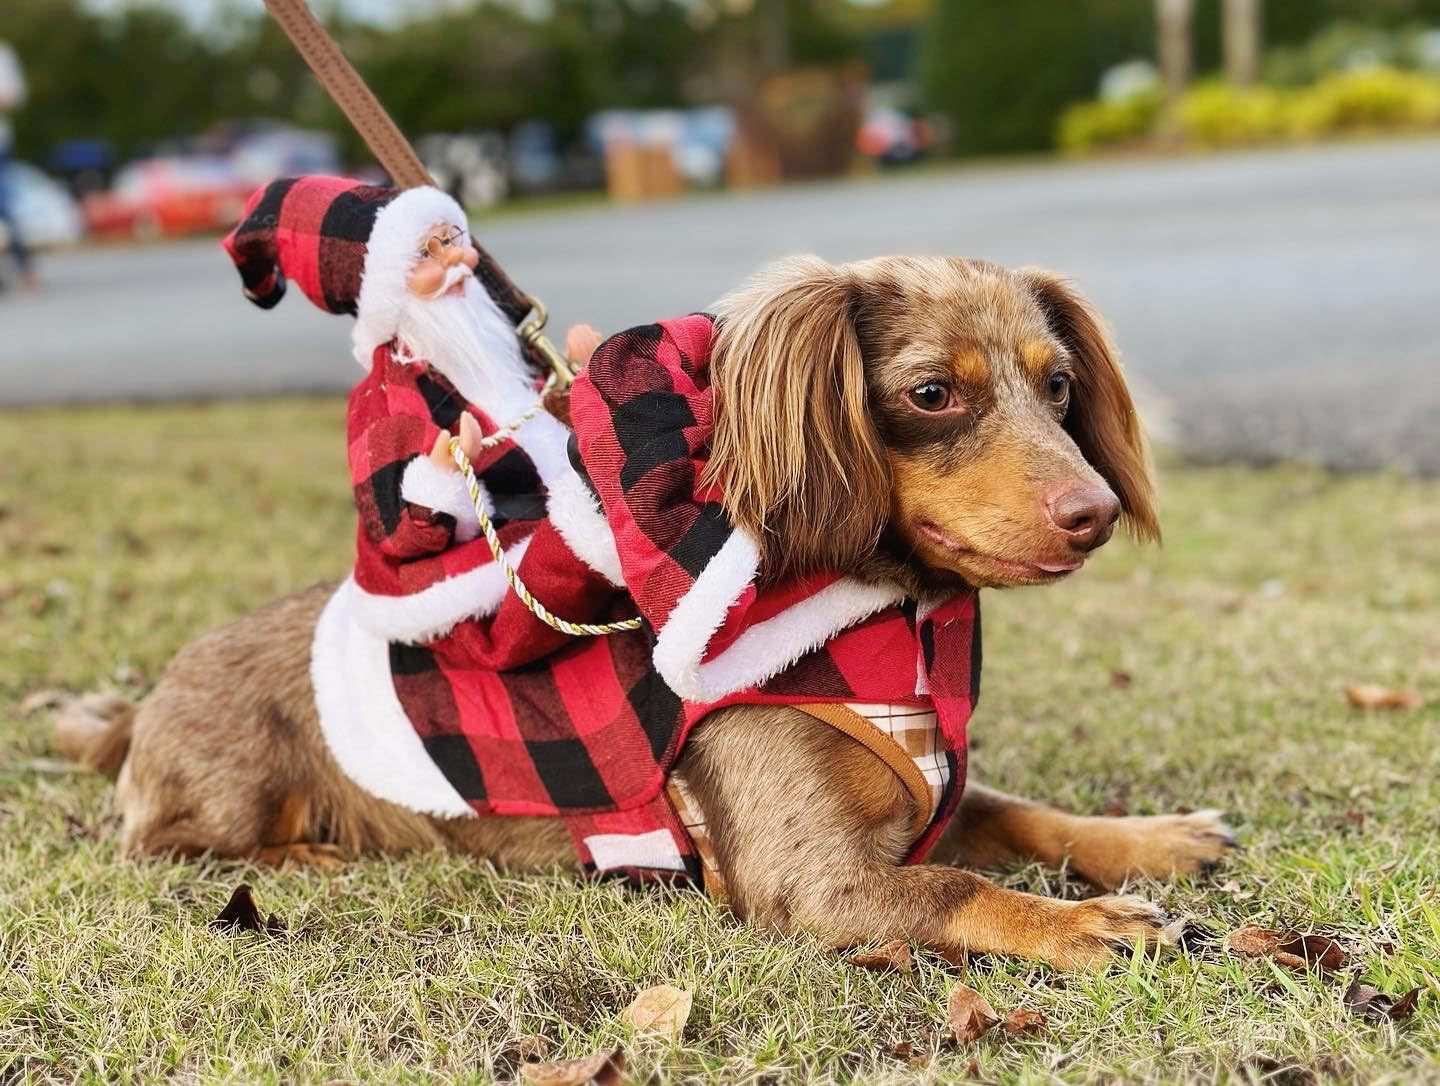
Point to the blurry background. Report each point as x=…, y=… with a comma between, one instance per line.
x=1249, y=188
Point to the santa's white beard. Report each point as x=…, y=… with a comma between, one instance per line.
x=471, y=342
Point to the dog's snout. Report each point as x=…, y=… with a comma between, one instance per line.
x=1084, y=515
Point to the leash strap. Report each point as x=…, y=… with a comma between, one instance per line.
x=395, y=155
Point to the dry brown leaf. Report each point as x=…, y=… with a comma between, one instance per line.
x=1318, y=950
x=1369, y=696
x=1291, y=949
x=1370, y=1003
x=896, y=956
x=662, y=1010
x=1253, y=941
x=1121, y=680
x=604, y=1068
x=969, y=1013
x=242, y=914
x=1021, y=1021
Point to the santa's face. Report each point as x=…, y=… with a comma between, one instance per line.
x=441, y=249
x=450, y=321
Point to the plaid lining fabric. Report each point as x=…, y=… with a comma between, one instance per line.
x=588, y=729
x=913, y=731
x=314, y=228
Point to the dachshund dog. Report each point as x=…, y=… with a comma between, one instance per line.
x=929, y=422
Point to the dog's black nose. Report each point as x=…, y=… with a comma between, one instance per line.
x=1084, y=515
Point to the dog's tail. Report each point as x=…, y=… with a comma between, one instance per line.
x=94, y=730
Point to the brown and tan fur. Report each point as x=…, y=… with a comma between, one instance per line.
x=828, y=457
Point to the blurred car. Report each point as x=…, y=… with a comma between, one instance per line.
x=167, y=197
x=44, y=210
x=261, y=152
x=891, y=136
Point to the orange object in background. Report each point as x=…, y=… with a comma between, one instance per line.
x=168, y=197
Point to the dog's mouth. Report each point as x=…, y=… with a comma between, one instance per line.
x=998, y=571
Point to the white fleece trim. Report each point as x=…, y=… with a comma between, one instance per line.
x=390, y=253
x=362, y=720
x=765, y=649
x=426, y=483
x=576, y=515
x=654, y=849
x=431, y=612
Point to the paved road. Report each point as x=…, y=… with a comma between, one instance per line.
x=1278, y=303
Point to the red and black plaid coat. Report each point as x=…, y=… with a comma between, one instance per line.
x=591, y=731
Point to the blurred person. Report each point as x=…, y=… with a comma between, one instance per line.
x=12, y=96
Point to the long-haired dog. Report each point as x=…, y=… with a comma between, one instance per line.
x=931, y=422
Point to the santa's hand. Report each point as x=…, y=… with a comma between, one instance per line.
x=440, y=452
x=471, y=437
x=580, y=343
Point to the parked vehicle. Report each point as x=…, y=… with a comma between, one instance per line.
x=892, y=136
x=173, y=196
x=45, y=211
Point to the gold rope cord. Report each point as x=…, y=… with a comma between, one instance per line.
x=538, y=609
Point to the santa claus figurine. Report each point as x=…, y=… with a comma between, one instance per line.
x=443, y=360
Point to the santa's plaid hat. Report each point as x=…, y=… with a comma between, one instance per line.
x=349, y=246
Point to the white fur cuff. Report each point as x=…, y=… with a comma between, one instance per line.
x=425, y=483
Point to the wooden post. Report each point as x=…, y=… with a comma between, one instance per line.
x=1240, y=32
x=1172, y=31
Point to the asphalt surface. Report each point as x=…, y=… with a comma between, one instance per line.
x=1269, y=304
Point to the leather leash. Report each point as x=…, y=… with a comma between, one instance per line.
x=398, y=158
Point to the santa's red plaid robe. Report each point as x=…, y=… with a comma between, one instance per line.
x=419, y=574
x=520, y=720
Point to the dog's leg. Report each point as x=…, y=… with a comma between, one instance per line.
x=992, y=828
x=810, y=829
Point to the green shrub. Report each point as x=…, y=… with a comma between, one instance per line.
x=1214, y=114
x=1371, y=100
x=1220, y=115
x=1086, y=126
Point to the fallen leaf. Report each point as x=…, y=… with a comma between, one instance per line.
x=970, y=1015
x=1236, y=890
x=242, y=914
x=1121, y=680
x=896, y=956
x=604, y=1068
x=41, y=699
x=1318, y=950
x=902, y=1050
x=1291, y=949
x=663, y=1010
x=1252, y=941
x=1368, y=696
x=1370, y=1003
x=1022, y=1021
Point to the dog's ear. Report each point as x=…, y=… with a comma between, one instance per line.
x=1102, y=419
x=795, y=452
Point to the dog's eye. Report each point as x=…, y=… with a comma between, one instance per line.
x=1059, y=387
x=931, y=396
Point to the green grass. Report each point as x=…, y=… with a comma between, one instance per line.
x=125, y=532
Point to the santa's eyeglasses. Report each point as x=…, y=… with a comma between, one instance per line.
x=435, y=247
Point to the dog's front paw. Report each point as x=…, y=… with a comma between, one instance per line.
x=1088, y=934
x=1113, y=850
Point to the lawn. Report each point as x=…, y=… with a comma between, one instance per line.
x=1207, y=673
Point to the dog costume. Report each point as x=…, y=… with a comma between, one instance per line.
x=438, y=690
x=590, y=731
